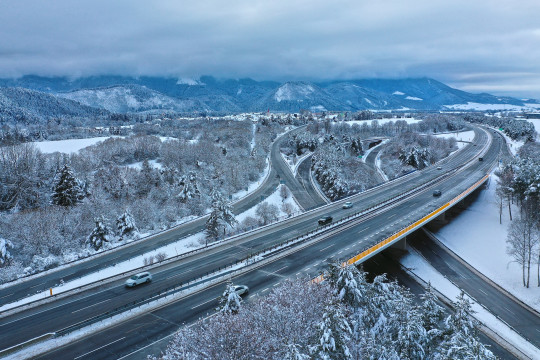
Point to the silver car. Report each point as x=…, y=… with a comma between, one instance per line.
x=348, y=205
x=137, y=279
x=241, y=290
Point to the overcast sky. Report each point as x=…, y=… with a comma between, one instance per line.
x=474, y=45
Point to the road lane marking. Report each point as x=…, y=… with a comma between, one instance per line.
x=73, y=312
x=264, y=290
x=511, y=312
x=80, y=356
x=201, y=304
x=483, y=292
x=327, y=247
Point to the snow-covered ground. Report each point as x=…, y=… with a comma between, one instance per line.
x=477, y=237
x=67, y=146
x=536, y=123
x=274, y=199
x=460, y=136
x=153, y=163
x=177, y=248
x=484, y=107
x=421, y=268
x=381, y=121
x=294, y=165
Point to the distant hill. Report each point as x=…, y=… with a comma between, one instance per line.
x=24, y=105
x=146, y=94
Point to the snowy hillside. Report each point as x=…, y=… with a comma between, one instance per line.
x=129, y=94
x=132, y=98
x=22, y=105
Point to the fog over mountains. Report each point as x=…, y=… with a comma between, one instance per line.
x=57, y=96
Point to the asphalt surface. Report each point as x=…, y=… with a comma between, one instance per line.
x=137, y=338
x=303, y=177
x=371, y=159
x=525, y=322
x=279, y=170
x=386, y=263
x=55, y=316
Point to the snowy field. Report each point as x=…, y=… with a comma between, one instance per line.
x=179, y=247
x=460, y=136
x=536, y=123
x=485, y=107
x=477, y=237
x=67, y=146
x=421, y=268
x=380, y=121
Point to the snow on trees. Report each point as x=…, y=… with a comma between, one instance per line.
x=220, y=216
x=461, y=338
x=67, y=190
x=415, y=157
x=100, y=235
x=343, y=280
x=125, y=224
x=5, y=256
x=333, y=334
x=230, y=301
x=189, y=187
x=267, y=213
x=293, y=353
x=523, y=238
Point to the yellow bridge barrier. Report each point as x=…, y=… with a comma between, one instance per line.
x=393, y=238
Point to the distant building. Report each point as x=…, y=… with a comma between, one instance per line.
x=532, y=115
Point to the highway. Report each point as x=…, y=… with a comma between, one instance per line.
x=140, y=337
x=526, y=322
x=348, y=242
x=279, y=170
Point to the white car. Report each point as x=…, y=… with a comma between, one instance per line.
x=137, y=279
x=241, y=289
x=348, y=205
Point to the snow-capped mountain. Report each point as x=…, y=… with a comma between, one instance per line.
x=129, y=94
x=296, y=95
x=22, y=105
x=132, y=98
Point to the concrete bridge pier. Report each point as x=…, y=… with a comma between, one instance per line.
x=401, y=244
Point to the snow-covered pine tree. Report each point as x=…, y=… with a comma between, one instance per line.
x=343, y=280
x=67, y=190
x=220, y=216
x=125, y=224
x=190, y=188
x=333, y=334
x=432, y=313
x=230, y=301
x=461, y=338
x=100, y=235
x=5, y=256
x=293, y=353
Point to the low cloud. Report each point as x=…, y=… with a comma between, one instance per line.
x=279, y=40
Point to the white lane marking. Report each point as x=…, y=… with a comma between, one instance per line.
x=73, y=312
x=483, y=292
x=511, y=312
x=264, y=290
x=80, y=356
x=37, y=285
x=297, y=273
x=327, y=247
x=201, y=304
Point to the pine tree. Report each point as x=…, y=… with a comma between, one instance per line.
x=333, y=335
x=293, y=353
x=461, y=340
x=100, y=235
x=67, y=191
x=343, y=279
x=220, y=216
x=125, y=224
x=230, y=301
x=5, y=256
x=190, y=188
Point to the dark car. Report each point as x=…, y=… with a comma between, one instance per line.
x=325, y=220
x=480, y=159
x=437, y=193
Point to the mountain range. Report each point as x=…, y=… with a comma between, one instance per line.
x=37, y=96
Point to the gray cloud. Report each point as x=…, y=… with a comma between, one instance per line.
x=475, y=45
